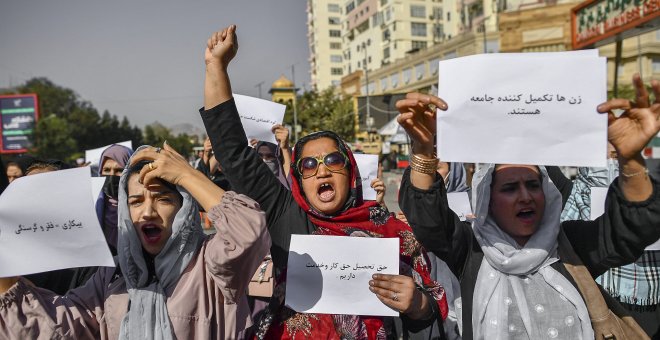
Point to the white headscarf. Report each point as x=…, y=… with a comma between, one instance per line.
x=508, y=274
x=147, y=316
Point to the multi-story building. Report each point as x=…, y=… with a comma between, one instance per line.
x=324, y=34
x=379, y=32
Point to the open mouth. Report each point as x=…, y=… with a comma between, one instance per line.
x=326, y=192
x=152, y=233
x=527, y=215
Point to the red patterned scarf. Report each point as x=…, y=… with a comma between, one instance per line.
x=358, y=218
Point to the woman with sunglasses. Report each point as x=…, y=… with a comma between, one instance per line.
x=326, y=199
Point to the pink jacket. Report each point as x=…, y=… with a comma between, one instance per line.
x=208, y=301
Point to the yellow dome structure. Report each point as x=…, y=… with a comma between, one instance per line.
x=282, y=83
x=282, y=90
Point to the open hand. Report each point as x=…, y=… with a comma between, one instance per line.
x=417, y=115
x=167, y=164
x=640, y=122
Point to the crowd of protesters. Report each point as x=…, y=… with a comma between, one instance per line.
x=525, y=265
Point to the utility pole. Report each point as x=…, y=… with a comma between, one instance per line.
x=366, y=79
x=295, y=110
x=259, y=86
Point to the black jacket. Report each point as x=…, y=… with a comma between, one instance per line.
x=614, y=239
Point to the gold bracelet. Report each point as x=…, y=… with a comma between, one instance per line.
x=423, y=165
x=645, y=171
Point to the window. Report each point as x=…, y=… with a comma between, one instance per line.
x=335, y=33
x=419, y=71
x=450, y=55
x=383, y=84
x=359, y=64
x=369, y=60
x=386, y=35
x=335, y=46
x=386, y=52
x=407, y=73
x=334, y=21
x=371, y=87
x=448, y=16
x=336, y=71
x=437, y=13
x=334, y=8
x=433, y=65
x=418, y=11
x=394, y=79
x=418, y=29
x=656, y=65
x=388, y=14
x=335, y=58
x=350, y=7
x=418, y=45
x=336, y=83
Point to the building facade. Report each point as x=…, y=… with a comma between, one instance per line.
x=324, y=35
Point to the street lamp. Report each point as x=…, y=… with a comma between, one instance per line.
x=366, y=79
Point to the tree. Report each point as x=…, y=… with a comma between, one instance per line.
x=155, y=134
x=326, y=110
x=53, y=139
x=85, y=127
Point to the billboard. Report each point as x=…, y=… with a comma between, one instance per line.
x=18, y=118
x=598, y=22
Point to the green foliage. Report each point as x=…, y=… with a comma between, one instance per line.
x=85, y=128
x=324, y=110
x=155, y=134
x=53, y=138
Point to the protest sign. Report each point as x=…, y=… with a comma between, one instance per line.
x=48, y=222
x=598, y=196
x=523, y=108
x=258, y=117
x=330, y=274
x=459, y=202
x=368, y=167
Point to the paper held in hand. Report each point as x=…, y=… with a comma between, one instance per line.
x=48, y=222
x=523, y=108
x=330, y=274
x=258, y=117
x=368, y=166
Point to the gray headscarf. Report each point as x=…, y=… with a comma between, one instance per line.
x=456, y=178
x=517, y=293
x=147, y=317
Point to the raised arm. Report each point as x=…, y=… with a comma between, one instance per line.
x=245, y=170
x=629, y=134
x=422, y=196
x=632, y=215
x=282, y=136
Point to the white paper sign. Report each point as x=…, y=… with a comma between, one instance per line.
x=97, y=186
x=459, y=202
x=598, y=195
x=330, y=274
x=258, y=117
x=48, y=222
x=523, y=108
x=94, y=156
x=368, y=166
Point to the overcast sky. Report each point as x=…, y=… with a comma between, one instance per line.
x=145, y=58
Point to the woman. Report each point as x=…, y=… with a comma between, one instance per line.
x=172, y=281
x=113, y=160
x=324, y=199
x=513, y=283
